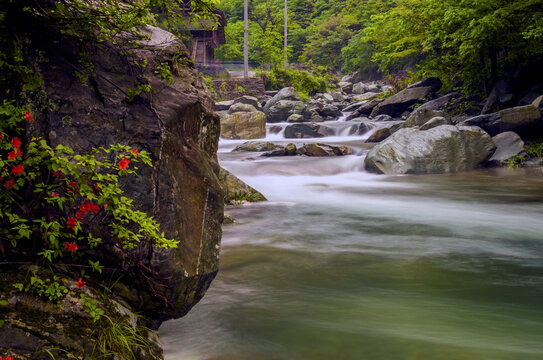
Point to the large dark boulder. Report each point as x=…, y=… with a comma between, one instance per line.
x=402, y=101
x=524, y=120
x=442, y=149
x=300, y=131
x=182, y=191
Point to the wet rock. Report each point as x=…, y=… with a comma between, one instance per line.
x=317, y=149
x=442, y=149
x=223, y=105
x=249, y=100
x=229, y=220
x=294, y=118
x=523, y=120
x=299, y=131
x=365, y=110
x=275, y=129
x=291, y=149
x=330, y=111
x=434, y=122
x=353, y=107
x=361, y=128
x=379, y=135
x=421, y=116
x=338, y=96
x=360, y=88
x=365, y=96
x=237, y=190
x=508, y=145
x=345, y=86
x=282, y=109
x=432, y=82
x=257, y=146
x=244, y=125
x=402, y=101
x=241, y=107
x=383, y=117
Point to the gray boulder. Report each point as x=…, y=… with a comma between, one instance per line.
x=383, y=117
x=313, y=149
x=236, y=190
x=354, y=106
x=435, y=122
x=365, y=96
x=223, y=105
x=433, y=82
x=360, y=88
x=524, y=120
x=421, y=116
x=282, y=109
x=294, y=118
x=442, y=149
x=257, y=146
x=346, y=86
x=240, y=107
x=365, y=110
x=249, y=100
x=379, y=135
x=402, y=101
x=299, y=131
x=244, y=125
x=330, y=111
x=509, y=144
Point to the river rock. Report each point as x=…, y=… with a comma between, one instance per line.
x=379, y=135
x=383, y=117
x=402, y=101
x=244, y=125
x=360, y=88
x=282, y=109
x=299, y=131
x=291, y=149
x=223, y=105
x=257, y=146
x=360, y=128
x=421, y=116
x=294, y=118
x=365, y=109
x=432, y=82
x=249, y=100
x=330, y=111
x=365, y=96
x=316, y=149
x=354, y=106
x=275, y=129
x=524, y=120
x=508, y=145
x=442, y=149
x=434, y=122
x=241, y=107
x=236, y=190
x=345, y=86
x=338, y=96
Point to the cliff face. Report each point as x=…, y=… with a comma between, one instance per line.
x=176, y=124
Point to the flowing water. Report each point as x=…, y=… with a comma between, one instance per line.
x=343, y=264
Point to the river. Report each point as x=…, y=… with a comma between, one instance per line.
x=343, y=264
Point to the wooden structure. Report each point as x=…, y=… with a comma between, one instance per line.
x=207, y=35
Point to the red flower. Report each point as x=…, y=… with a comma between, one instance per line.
x=58, y=174
x=79, y=215
x=9, y=184
x=71, y=223
x=16, y=142
x=17, y=170
x=8, y=357
x=27, y=116
x=135, y=152
x=123, y=164
x=80, y=283
x=54, y=194
x=13, y=154
x=70, y=247
x=97, y=187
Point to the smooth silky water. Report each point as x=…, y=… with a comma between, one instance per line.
x=343, y=264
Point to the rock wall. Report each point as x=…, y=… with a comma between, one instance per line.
x=176, y=124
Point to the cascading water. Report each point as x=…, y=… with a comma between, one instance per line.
x=343, y=264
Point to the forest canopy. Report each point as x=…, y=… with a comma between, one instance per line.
x=465, y=42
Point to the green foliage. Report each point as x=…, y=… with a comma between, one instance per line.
x=117, y=338
x=91, y=307
x=305, y=82
x=50, y=289
x=239, y=197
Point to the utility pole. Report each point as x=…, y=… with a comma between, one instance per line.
x=286, y=56
x=246, y=40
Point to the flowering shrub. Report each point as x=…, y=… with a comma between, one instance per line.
x=51, y=197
